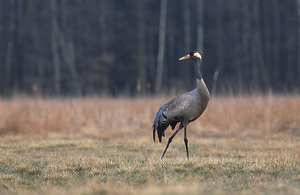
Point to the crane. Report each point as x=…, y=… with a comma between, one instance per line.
x=182, y=109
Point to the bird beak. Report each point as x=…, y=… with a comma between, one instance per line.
x=185, y=57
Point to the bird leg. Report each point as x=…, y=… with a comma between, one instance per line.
x=170, y=139
x=186, y=143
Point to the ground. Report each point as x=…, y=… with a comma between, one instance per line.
x=101, y=146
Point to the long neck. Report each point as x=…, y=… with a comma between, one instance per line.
x=201, y=87
x=197, y=70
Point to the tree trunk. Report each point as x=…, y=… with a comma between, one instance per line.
x=37, y=85
x=276, y=41
x=54, y=47
x=102, y=23
x=246, y=41
x=238, y=47
x=142, y=61
x=186, y=72
x=257, y=56
x=9, y=49
x=105, y=57
x=200, y=34
x=187, y=27
x=298, y=41
x=161, y=45
x=68, y=52
x=220, y=50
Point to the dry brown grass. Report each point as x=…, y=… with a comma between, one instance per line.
x=109, y=118
x=256, y=115
x=102, y=118
x=66, y=165
x=241, y=145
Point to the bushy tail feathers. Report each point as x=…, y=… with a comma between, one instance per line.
x=160, y=129
x=159, y=124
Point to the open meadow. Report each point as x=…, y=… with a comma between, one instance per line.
x=240, y=145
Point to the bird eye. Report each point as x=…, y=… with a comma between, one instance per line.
x=192, y=53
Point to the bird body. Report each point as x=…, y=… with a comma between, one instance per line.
x=182, y=109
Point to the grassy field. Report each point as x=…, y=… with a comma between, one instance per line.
x=241, y=145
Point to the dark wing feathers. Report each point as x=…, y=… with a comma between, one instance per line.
x=161, y=123
x=173, y=112
x=173, y=124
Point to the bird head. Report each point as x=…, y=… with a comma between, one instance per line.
x=192, y=55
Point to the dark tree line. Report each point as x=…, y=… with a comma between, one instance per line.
x=109, y=47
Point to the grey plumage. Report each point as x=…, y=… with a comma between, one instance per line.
x=182, y=109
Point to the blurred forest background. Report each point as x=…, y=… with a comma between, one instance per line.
x=110, y=47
